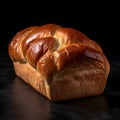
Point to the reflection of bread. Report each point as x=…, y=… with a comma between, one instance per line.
x=60, y=63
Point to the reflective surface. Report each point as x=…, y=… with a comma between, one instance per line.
x=18, y=101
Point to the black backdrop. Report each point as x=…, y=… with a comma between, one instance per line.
x=100, y=20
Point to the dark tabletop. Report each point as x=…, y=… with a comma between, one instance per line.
x=19, y=101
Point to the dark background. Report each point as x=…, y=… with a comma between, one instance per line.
x=98, y=20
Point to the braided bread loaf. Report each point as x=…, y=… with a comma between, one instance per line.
x=60, y=63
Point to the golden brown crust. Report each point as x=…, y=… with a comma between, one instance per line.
x=30, y=76
x=38, y=48
x=50, y=49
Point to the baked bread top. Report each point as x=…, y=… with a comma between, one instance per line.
x=50, y=48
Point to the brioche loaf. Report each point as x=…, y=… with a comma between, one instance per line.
x=60, y=63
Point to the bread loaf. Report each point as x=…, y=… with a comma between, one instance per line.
x=60, y=63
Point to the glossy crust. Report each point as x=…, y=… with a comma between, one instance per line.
x=60, y=63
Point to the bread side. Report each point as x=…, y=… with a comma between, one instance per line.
x=80, y=79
